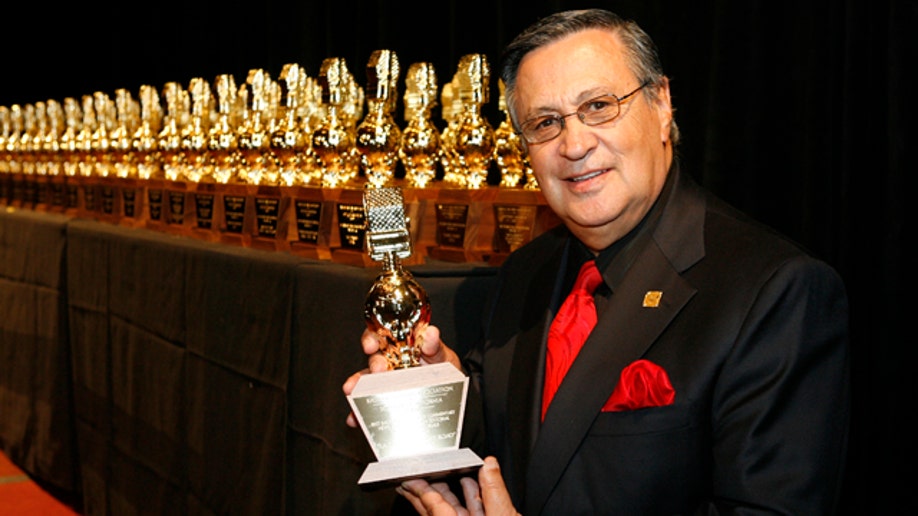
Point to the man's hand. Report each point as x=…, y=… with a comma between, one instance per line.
x=487, y=496
x=433, y=351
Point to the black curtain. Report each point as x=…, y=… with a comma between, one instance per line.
x=796, y=112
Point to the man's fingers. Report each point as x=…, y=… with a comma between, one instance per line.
x=431, y=499
x=472, y=495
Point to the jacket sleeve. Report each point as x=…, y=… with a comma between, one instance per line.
x=780, y=411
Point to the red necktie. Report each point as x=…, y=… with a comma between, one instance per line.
x=569, y=330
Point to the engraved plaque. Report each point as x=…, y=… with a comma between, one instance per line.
x=129, y=200
x=351, y=226
x=266, y=215
x=452, y=221
x=234, y=212
x=176, y=205
x=204, y=210
x=308, y=220
x=412, y=419
x=514, y=224
x=155, y=203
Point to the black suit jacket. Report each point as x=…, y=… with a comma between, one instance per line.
x=753, y=335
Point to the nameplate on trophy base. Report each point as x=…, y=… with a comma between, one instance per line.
x=131, y=201
x=349, y=235
x=519, y=216
x=204, y=211
x=155, y=195
x=71, y=195
x=269, y=234
x=234, y=220
x=412, y=419
x=89, y=207
x=109, y=199
x=57, y=196
x=43, y=193
x=30, y=191
x=460, y=215
x=307, y=221
x=176, y=205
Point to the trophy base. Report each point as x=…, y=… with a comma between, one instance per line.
x=428, y=465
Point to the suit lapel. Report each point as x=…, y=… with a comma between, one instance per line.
x=527, y=367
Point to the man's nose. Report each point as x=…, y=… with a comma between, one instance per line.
x=576, y=138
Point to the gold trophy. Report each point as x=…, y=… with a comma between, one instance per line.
x=462, y=232
x=378, y=137
x=419, y=153
x=125, y=167
x=412, y=416
x=334, y=150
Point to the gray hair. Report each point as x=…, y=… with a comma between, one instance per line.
x=643, y=58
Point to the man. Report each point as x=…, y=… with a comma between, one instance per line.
x=737, y=337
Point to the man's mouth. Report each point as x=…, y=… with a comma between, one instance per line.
x=589, y=176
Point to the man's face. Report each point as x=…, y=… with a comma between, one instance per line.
x=600, y=180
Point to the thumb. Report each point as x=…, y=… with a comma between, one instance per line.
x=494, y=494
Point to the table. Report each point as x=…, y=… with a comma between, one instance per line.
x=202, y=378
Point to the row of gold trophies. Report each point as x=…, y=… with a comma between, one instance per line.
x=283, y=163
x=296, y=130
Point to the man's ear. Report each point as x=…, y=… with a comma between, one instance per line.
x=664, y=109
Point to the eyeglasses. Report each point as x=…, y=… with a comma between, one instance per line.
x=599, y=110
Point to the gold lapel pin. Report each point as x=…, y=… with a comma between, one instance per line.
x=652, y=298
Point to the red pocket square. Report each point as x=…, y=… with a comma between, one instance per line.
x=642, y=384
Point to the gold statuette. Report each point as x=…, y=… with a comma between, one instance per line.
x=378, y=137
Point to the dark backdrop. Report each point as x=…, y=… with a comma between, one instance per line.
x=797, y=112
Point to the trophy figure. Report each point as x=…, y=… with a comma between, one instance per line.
x=26, y=151
x=223, y=154
x=378, y=137
x=254, y=134
x=333, y=141
x=420, y=146
x=194, y=134
x=145, y=144
x=124, y=166
x=11, y=153
x=222, y=145
x=288, y=141
x=44, y=146
x=475, y=136
x=86, y=161
x=451, y=109
x=411, y=416
x=461, y=229
x=70, y=158
x=508, y=147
